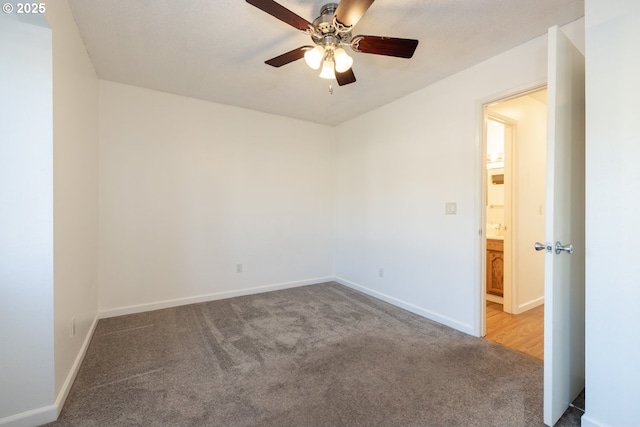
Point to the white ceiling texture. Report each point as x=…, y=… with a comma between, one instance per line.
x=215, y=49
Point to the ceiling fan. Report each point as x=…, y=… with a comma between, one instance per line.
x=331, y=32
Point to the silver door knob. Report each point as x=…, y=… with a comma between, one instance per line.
x=567, y=248
x=542, y=246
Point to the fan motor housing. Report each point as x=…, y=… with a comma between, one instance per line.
x=325, y=32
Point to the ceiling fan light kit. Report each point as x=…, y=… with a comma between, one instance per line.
x=328, y=70
x=313, y=57
x=342, y=60
x=331, y=32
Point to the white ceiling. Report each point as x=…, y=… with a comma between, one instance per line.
x=215, y=49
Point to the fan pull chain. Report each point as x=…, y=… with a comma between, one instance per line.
x=331, y=88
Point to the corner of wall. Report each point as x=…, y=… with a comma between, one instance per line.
x=75, y=203
x=66, y=386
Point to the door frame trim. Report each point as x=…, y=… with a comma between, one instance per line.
x=480, y=193
x=509, y=296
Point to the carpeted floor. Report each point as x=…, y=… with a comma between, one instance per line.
x=320, y=355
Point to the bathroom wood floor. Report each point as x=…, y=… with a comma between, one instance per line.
x=522, y=332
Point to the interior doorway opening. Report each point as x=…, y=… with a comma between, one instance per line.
x=514, y=193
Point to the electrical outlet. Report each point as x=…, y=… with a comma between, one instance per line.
x=381, y=272
x=238, y=268
x=73, y=327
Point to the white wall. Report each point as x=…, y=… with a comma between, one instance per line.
x=75, y=169
x=528, y=224
x=612, y=206
x=26, y=223
x=188, y=189
x=399, y=165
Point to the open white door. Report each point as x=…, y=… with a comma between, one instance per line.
x=564, y=331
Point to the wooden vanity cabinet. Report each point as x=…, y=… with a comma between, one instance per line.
x=495, y=267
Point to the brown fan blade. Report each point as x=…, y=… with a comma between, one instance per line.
x=349, y=12
x=282, y=13
x=285, y=58
x=346, y=77
x=390, y=46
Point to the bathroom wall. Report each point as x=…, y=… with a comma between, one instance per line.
x=495, y=203
x=529, y=157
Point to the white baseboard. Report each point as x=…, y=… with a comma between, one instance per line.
x=140, y=308
x=529, y=305
x=66, y=387
x=35, y=417
x=494, y=298
x=587, y=421
x=462, y=327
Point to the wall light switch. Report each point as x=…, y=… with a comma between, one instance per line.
x=450, y=208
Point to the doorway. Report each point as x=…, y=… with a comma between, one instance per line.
x=514, y=194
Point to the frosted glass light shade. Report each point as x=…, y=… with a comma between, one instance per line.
x=327, y=70
x=343, y=61
x=313, y=57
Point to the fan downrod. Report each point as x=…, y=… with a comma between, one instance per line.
x=328, y=9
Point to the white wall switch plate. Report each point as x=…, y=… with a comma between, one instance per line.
x=450, y=208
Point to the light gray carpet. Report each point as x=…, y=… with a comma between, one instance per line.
x=320, y=355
